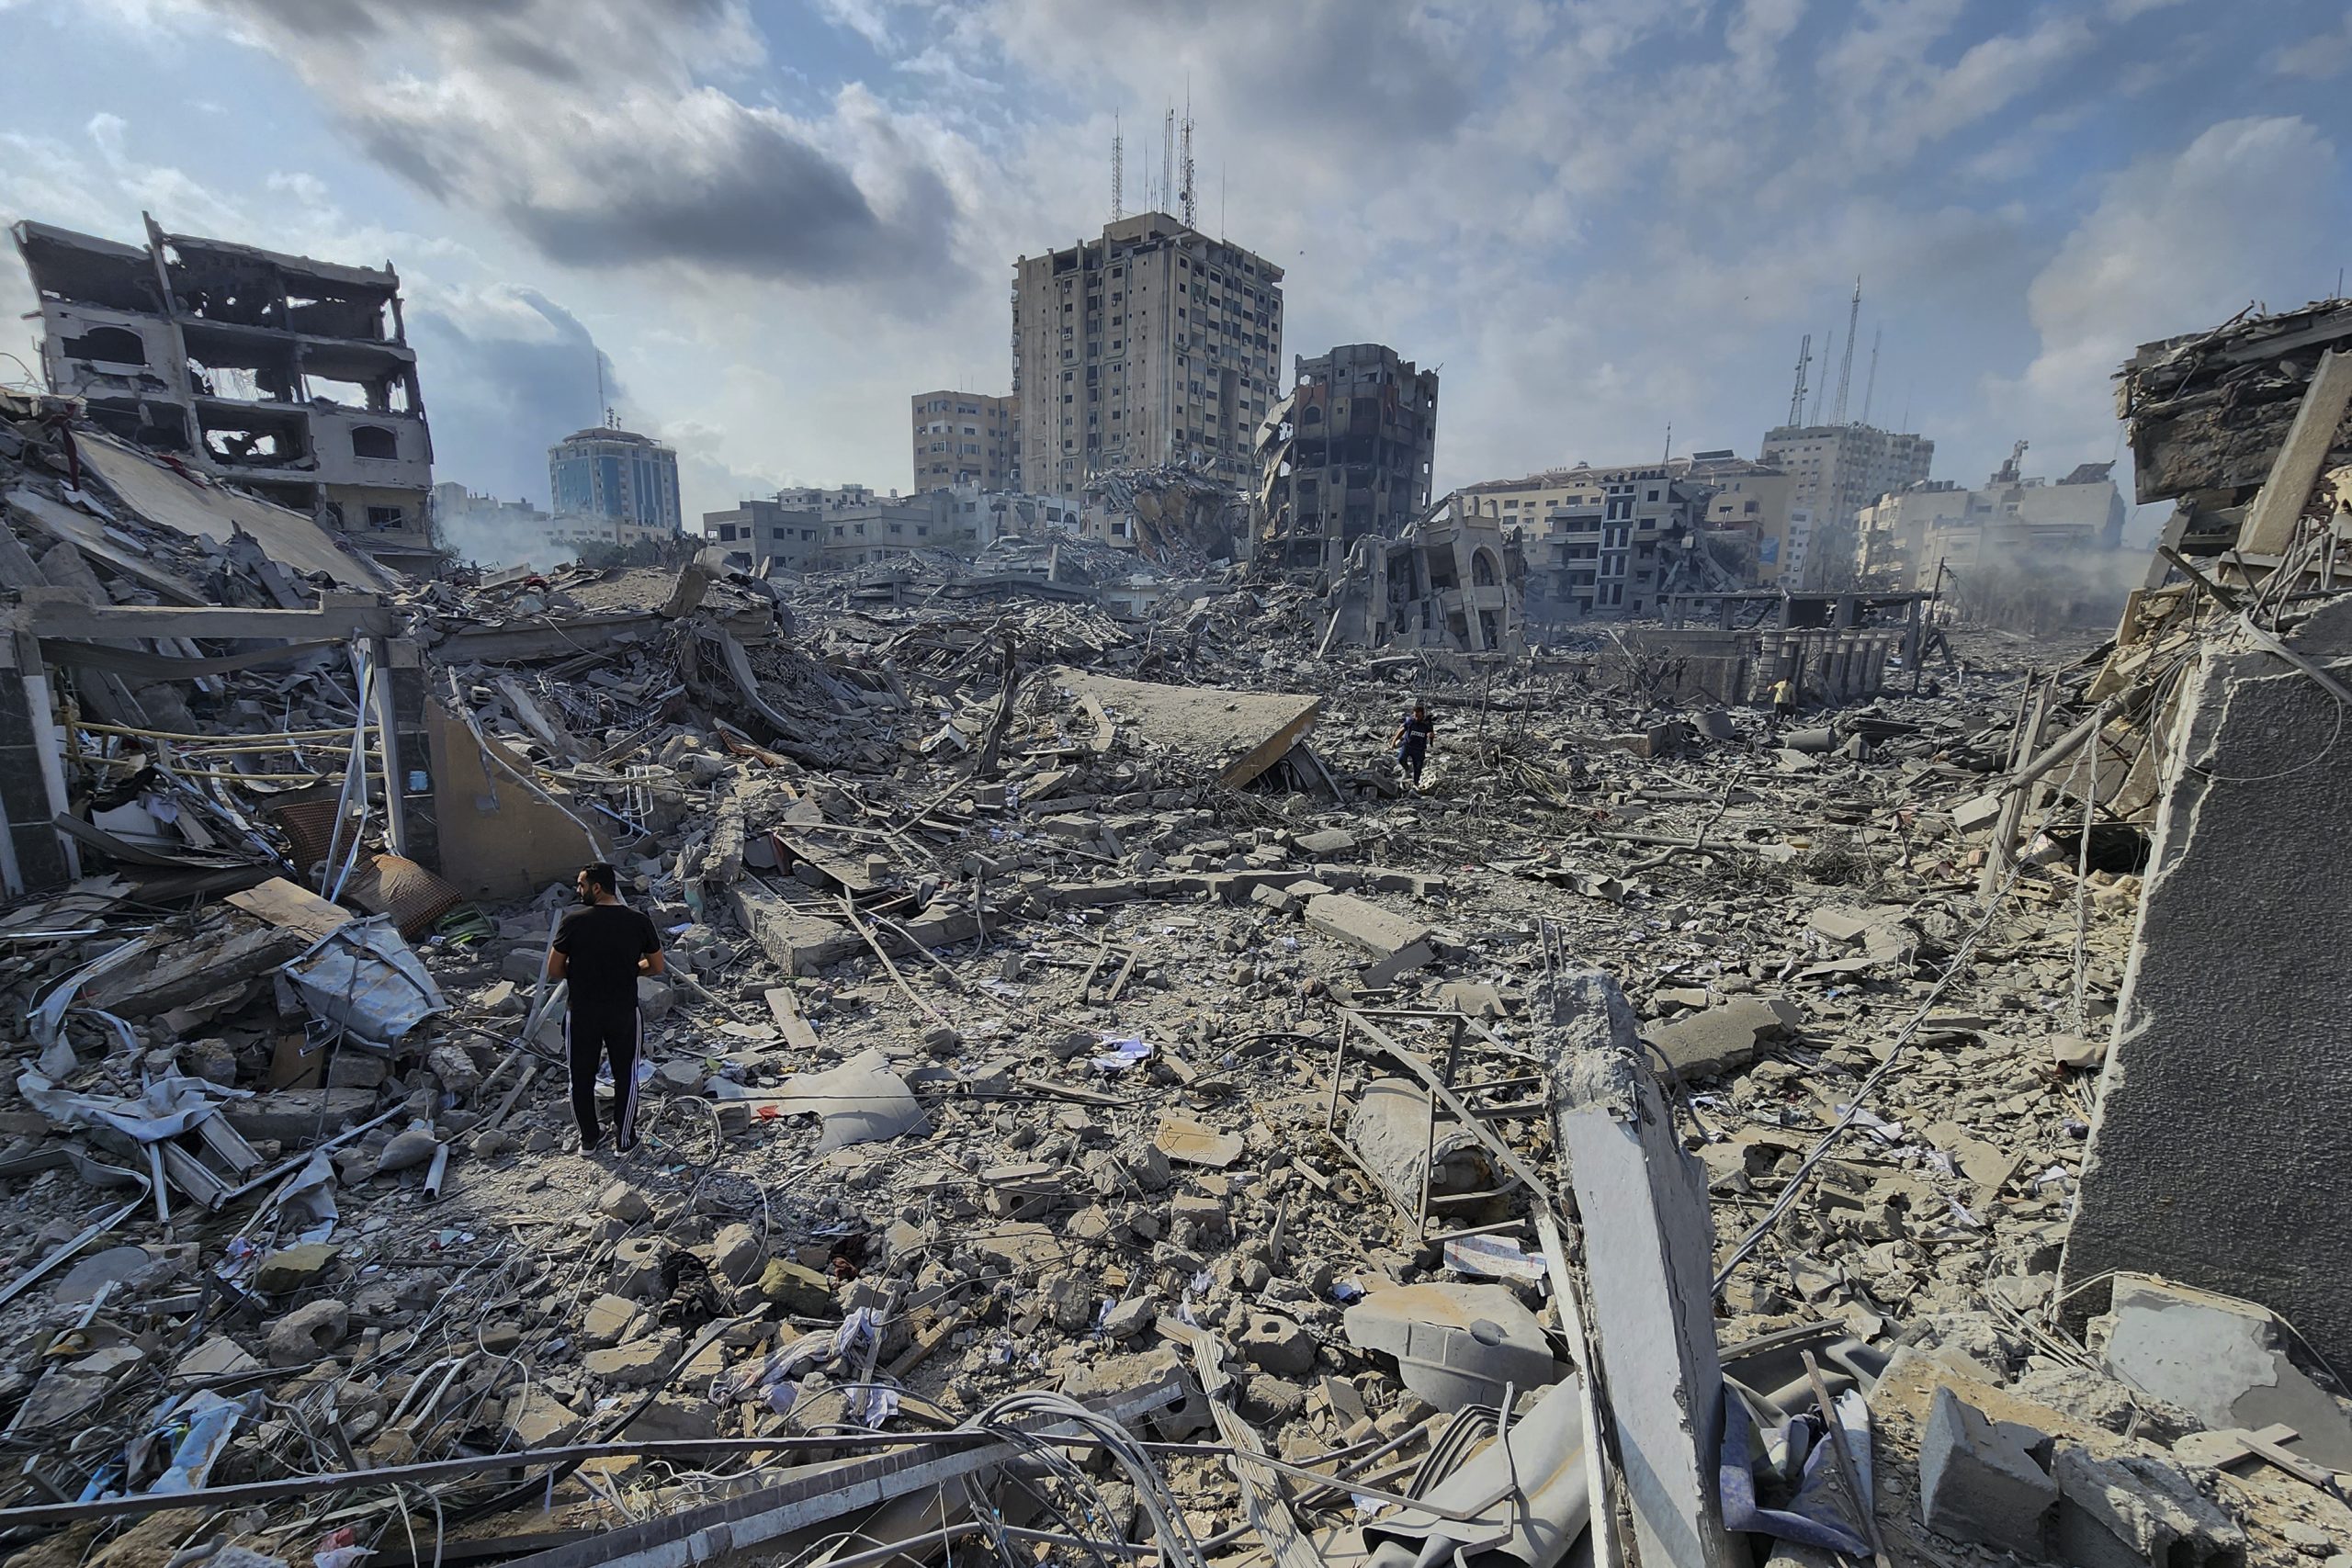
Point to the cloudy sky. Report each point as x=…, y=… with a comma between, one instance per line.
x=777, y=218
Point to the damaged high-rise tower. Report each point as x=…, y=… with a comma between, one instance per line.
x=290, y=378
x=1347, y=455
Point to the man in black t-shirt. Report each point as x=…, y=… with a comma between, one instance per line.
x=1413, y=741
x=601, y=949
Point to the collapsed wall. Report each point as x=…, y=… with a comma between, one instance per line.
x=2219, y=1144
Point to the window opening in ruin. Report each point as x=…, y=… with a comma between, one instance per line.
x=111, y=346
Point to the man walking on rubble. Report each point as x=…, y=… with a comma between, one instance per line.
x=1784, y=702
x=601, y=949
x=1413, y=741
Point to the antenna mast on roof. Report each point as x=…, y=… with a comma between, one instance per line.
x=1828, y=342
x=1167, y=156
x=1796, y=397
x=599, y=354
x=1845, y=370
x=1189, y=210
x=1869, y=387
x=1118, y=169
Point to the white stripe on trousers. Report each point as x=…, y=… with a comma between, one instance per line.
x=625, y=1093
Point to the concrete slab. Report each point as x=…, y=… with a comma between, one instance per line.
x=2222, y=1360
x=2220, y=1136
x=1235, y=735
x=1722, y=1039
x=1397, y=944
x=798, y=943
x=1648, y=1258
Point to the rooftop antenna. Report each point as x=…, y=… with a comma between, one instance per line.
x=1118, y=169
x=1845, y=370
x=599, y=354
x=1796, y=397
x=1870, y=385
x=1668, y=457
x=1167, y=156
x=1184, y=192
x=1828, y=342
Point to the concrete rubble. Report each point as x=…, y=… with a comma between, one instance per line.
x=1657, y=1135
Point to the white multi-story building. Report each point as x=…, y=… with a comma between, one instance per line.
x=1835, y=471
x=2010, y=526
x=1151, y=344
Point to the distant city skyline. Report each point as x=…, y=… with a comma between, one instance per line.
x=775, y=222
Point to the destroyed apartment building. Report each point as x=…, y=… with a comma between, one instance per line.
x=1095, y=1109
x=290, y=378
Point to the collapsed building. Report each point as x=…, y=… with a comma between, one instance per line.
x=1451, y=580
x=1094, y=1108
x=289, y=377
x=1347, y=455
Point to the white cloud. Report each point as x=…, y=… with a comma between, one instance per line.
x=2175, y=245
x=2319, y=58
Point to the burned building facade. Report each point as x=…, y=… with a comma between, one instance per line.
x=1357, y=462
x=287, y=376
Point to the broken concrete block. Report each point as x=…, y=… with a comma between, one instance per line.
x=637, y=1268
x=1277, y=1343
x=295, y=1117
x=625, y=1203
x=308, y=1332
x=522, y=965
x=1981, y=812
x=1325, y=843
x=1066, y=1298
x=1188, y=1141
x=1396, y=943
x=640, y=1363
x=608, y=1321
x=291, y=1269
x=2133, y=1512
x=536, y=1418
x=2221, y=1358
x=409, y=1149
x=1722, y=1039
x=1981, y=1480
x=1844, y=928
x=736, y=1255
x=800, y=1292
x=798, y=943
x=1130, y=1318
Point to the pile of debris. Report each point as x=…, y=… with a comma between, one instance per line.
x=1093, y=1107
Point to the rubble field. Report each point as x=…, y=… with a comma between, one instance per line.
x=1095, y=1107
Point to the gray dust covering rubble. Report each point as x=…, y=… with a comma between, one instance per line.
x=1096, y=1107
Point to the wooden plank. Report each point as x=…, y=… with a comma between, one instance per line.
x=785, y=1007
x=2270, y=521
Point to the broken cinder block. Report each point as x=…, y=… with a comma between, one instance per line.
x=1981, y=1480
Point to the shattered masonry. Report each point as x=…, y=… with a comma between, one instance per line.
x=1908, y=1129
x=291, y=377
